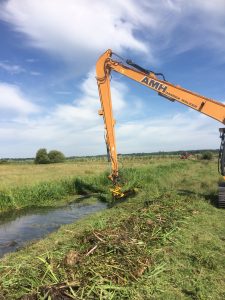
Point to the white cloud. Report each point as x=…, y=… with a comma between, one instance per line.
x=12, y=69
x=34, y=73
x=183, y=131
x=80, y=30
x=63, y=92
x=31, y=60
x=76, y=30
x=12, y=100
x=181, y=25
x=76, y=129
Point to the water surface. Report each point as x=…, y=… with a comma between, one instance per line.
x=18, y=228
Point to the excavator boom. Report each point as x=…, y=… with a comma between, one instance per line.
x=106, y=64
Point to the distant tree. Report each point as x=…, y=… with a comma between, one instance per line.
x=4, y=161
x=207, y=155
x=42, y=157
x=56, y=156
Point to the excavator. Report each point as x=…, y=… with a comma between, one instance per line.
x=110, y=61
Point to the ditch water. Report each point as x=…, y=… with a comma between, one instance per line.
x=19, y=228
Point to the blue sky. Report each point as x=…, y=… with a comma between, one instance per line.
x=48, y=89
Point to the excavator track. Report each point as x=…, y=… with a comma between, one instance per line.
x=221, y=158
x=221, y=169
x=221, y=197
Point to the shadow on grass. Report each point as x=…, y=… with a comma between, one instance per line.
x=84, y=188
x=211, y=197
x=90, y=190
x=115, y=202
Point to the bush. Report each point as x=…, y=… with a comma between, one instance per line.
x=3, y=161
x=56, y=156
x=42, y=157
x=207, y=155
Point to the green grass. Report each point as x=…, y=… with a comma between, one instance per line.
x=28, y=174
x=165, y=243
x=25, y=185
x=52, y=193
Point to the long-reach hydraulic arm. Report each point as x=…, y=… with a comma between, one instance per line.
x=106, y=64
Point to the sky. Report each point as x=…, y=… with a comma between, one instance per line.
x=48, y=91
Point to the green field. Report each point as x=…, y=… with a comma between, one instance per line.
x=26, y=184
x=19, y=174
x=167, y=242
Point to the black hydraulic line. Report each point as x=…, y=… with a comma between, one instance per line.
x=131, y=63
x=137, y=67
x=143, y=70
x=160, y=74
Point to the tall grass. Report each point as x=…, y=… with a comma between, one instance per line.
x=51, y=184
x=51, y=193
x=142, y=173
x=21, y=174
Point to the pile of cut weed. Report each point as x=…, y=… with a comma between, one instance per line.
x=104, y=263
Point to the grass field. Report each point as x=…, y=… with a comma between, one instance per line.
x=24, y=174
x=24, y=185
x=27, y=184
x=167, y=242
x=30, y=174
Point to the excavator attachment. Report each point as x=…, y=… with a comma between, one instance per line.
x=118, y=193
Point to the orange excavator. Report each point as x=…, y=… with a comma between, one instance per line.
x=109, y=62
